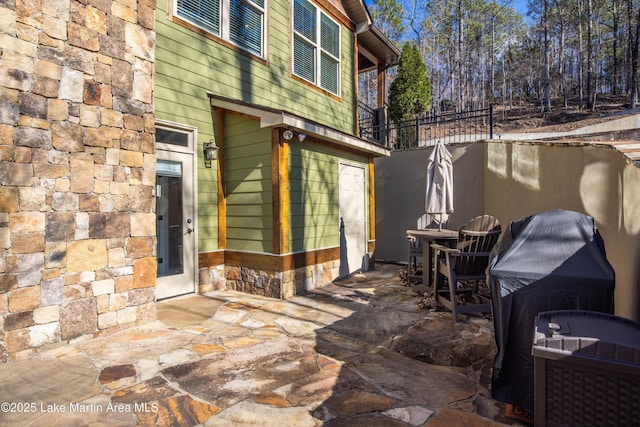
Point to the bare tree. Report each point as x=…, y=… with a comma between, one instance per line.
x=547, y=76
x=478, y=51
x=634, y=64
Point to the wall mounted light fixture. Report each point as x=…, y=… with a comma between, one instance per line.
x=287, y=134
x=209, y=150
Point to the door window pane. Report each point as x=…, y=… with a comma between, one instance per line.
x=169, y=219
x=304, y=19
x=304, y=59
x=167, y=136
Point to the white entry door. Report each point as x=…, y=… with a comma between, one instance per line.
x=175, y=224
x=353, y=218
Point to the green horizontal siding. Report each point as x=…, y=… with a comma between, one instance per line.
x=180, y=97
x=314, y=210
x=251, y=174
x=188, y=65
x=248, y=185
x=207, y=211
x=315, y=231
x=320, y=204
x=250, y=222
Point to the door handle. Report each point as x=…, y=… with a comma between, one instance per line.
x=189, y=231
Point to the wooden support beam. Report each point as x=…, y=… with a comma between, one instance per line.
x=280, y=191
x=372, y=200
x=222, y=198
x=382, y=85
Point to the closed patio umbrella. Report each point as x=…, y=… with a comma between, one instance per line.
x=438, y=202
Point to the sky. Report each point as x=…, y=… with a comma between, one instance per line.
x=520, y=6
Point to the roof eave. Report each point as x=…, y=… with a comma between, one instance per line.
x=270, y=117
x=378, y=44
x=358, y=13
x=372, y=38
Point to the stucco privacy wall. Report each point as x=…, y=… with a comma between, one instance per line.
x=523, y=178
x=512, y=180
x=77, y=170
x=400, y=190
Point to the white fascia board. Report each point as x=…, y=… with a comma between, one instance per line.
x=267, y=118
x=334, y=136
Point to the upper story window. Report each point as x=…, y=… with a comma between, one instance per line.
x=238, y=21
x=316, y=46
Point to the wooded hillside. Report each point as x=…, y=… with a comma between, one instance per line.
x=481, y=52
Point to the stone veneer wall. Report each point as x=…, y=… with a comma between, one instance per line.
x=77, y=170
x=274, y=284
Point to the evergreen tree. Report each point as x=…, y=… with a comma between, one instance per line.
x=410, y=91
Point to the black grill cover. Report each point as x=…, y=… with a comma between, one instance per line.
x=554, y=260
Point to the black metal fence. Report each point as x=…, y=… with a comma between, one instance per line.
x=372, y=123
x=425, y=131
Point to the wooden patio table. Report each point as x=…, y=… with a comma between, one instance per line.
x=429, y=236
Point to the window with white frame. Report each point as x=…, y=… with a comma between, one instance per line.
x=316, y=46
x=239, y=21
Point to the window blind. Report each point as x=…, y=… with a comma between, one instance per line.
x=245, y=26
x=205, y=13
x=316, y=46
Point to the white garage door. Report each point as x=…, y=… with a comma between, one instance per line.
x=353, y=218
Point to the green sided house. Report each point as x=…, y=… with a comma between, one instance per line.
x=263, y=182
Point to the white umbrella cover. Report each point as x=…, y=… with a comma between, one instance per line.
x=438, y=200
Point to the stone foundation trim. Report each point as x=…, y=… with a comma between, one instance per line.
x=276, y=276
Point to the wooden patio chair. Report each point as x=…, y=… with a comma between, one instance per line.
x=415, y=252
x=458, y=271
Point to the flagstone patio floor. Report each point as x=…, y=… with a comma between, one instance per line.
x=329, y=357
